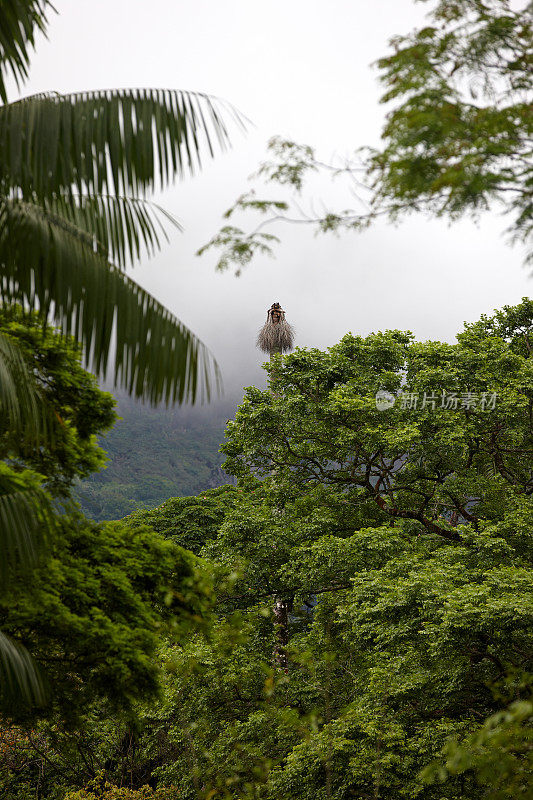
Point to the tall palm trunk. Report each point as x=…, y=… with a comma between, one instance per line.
x=277, y=337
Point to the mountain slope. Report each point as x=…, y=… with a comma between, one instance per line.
x=154, y=454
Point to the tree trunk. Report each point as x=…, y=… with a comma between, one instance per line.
x=276, y=345
x=282, y=609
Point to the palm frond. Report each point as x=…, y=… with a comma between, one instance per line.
x=26, y=519
x=115, y=142
x=50, y=263
x=20, y=20
x=19, y=676
x=122, y=228
x=21, y=405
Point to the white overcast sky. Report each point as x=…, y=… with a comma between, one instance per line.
x=300, y=69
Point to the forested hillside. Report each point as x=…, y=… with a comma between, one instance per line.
x=154, y=454
x=351, y=620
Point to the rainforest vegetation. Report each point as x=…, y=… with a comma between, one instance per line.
x=398, y=541
x=180, y=448
x=350, y=614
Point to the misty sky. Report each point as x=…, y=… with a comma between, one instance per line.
x=300, y=69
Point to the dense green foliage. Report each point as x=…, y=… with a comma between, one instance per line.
x=400, y=542
x=97, y=791
x=499, y=752
x=180, y=456
x=457, y=435
x=90, y=603
x=353, y=619
x=92, y=613
x=80, y=409
x=190, y=522
x=47, y=439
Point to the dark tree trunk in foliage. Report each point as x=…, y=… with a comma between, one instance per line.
x=282, y=609
x=276, y=337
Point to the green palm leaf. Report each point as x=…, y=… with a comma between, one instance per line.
x=21, y=405
x=26, y=519
x=75, y=170
x=116, y=142
x=121, y=228
x=19, y=677
x=50, y=263
x=19, y=21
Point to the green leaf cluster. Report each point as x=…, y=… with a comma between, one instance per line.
x=459, y=139
x=87, y=602
x=456, y=140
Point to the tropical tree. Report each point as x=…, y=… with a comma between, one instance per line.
x=25, y=509
x=456, y=140
x=400, y=534
x=425, y=432
x=403, y=547
x=75, y=172
x=117, y=584
x=400, y=537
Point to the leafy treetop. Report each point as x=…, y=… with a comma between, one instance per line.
x=457, y=141
x=455, y=445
